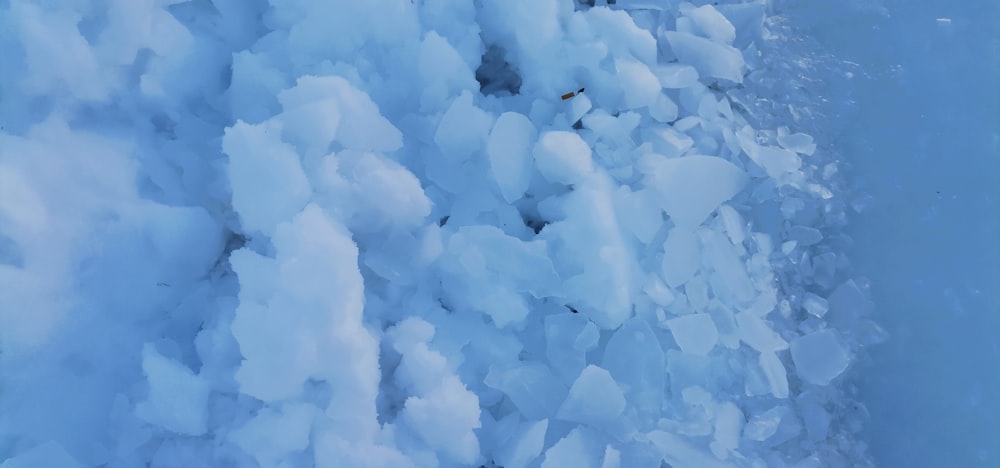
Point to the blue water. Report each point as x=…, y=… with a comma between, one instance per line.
x=924, y=141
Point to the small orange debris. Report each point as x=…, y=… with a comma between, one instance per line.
x=569, y=95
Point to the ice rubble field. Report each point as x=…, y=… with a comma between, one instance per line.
x=372, y=233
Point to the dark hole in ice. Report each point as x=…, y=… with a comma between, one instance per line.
x=495, y=75
x=535, y=224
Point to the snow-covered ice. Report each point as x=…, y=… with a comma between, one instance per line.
x=419, y=234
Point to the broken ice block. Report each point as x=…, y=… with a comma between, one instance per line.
x=695, y=333
x=819, y=357
x=594, y=398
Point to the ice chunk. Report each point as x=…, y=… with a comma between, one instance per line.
x=748, y=20
x=268, y=183
x=47, y=454
x=804, y=235
x=594, y=398
x=568, y=337
x=675, y=76
x=635, y=359
x=663, y=109
x=728, y=424
x=729, y=276
x=779, y=163
x=798, y=142
x=178, y=399
x=562, y=157
x=820, y=357
x=463, y=128
x=707, y=22
x=640, y=85
x=691, y=187
x=525, y=446
x=734, y=224
x=268, y=446
x=399, y=202
x=694, y=333
x=530, y=386
x=573, y=450
x=445, y=418
x=814, y=305
x=509, y=149
x=678, y=452
x=815, y=417
x=847, y=304
x=711, y=59
x=763, y=425
x=681, y=256
x=774, y=372
x=442, y=70
x=361, y=126
x=668, y=141
x=755, y=332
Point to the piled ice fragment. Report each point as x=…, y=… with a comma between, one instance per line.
x=418, y=273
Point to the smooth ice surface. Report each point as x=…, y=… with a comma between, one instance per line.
x=819, y=357
x=594, y=398
x=691, y=187
x=695, y=333
x=562, y=157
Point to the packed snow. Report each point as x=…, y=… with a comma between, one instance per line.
x=416, y=234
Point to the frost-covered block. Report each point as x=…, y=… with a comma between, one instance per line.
x=361, y=125
x=711, y=59
x=463, y=128
x=177, y=398
x=691, y=187
x=707, y=22
x=563, y=157
x=386, y=194
x=756, y=333
x=638, y=83
x=636, y=361
x=509, y=149
x=442, y=70
x=267, y=180
x=46, y=454
x=275, y=433
x=594, y=398
x=681, y=256
x=311, y=126
x=531, y=386
x=694, y=333
x=774, y=372
x=820, y=357
x=525, y=446
x=573, y=450
x=445, y=419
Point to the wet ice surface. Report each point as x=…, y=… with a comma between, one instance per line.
x=432, y=233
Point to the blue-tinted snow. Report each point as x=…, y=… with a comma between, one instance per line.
x=375, y=234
